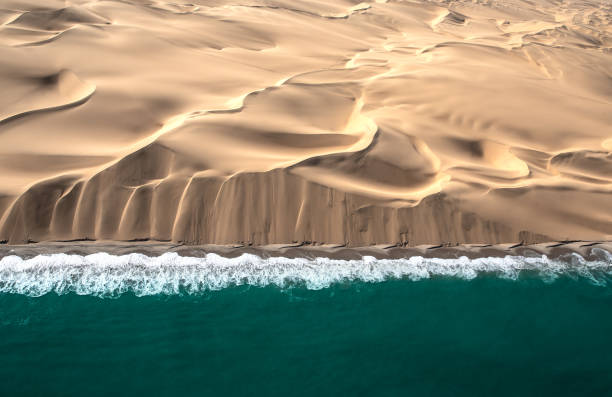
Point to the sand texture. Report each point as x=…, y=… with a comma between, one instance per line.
x=567, y=251
x=337, y=122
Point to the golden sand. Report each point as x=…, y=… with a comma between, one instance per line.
x=341, y=122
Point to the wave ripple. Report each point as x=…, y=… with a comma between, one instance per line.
x=106, y=275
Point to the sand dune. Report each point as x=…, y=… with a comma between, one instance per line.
x=344, y=122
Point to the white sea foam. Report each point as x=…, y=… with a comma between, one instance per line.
x=102, y=274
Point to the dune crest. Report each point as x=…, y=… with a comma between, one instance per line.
x=340, y=122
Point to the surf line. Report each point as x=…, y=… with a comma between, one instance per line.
x=103, y=274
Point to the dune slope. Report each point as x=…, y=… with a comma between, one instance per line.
x=279, y=121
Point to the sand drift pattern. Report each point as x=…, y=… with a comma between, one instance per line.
x=107, y=275
x=273, y=121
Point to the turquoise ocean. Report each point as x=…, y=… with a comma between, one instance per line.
x=104, y=325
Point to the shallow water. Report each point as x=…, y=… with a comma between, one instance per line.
x=489, y=333
x=106, y=275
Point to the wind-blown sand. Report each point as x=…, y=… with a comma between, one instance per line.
x=411, y=122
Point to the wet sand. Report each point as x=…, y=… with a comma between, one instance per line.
x=550, y=249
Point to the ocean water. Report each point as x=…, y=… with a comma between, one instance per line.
x=167, y=326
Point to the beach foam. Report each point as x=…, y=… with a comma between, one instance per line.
x=107, y=275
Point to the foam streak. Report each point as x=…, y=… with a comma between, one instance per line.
x=107, y=275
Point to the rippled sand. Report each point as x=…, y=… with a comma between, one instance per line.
x=267, y=122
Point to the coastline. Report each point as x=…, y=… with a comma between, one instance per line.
x=552, y=249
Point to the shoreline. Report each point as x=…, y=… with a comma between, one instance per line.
x=552, y=249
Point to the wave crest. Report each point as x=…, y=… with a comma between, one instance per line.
x=108, y=275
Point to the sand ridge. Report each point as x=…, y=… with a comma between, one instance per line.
x=347, y=122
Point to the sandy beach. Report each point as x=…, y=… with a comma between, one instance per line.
x=305, y=198
x=563, y=249
x=275, y=123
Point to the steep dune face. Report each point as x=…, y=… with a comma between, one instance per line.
x=330, y=121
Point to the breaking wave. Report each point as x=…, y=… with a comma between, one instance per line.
x=106, y=275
